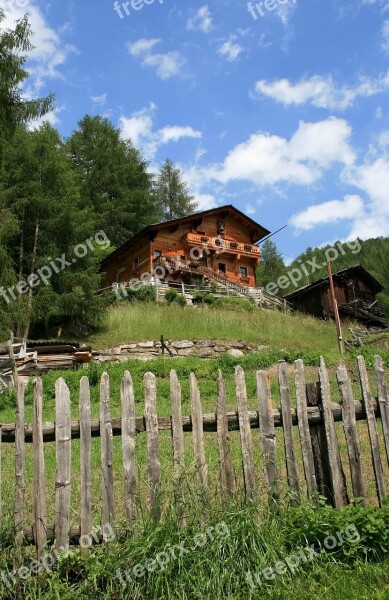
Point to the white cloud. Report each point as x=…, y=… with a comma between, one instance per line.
x=328, y=212
x=266, y=159
x=385, y=36
x=250, y=209
x=139, y=128
x=201, y=21
x=321, y=92
x=230, y=50
x=166, y=65
x=142, y=46
x=49, y=54
x=100, y=100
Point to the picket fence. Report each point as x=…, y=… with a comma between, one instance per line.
x=315, y=417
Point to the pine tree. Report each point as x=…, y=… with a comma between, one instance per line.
x=113, y=179
x=171, y=193
x=14, y=109
x=271, y=265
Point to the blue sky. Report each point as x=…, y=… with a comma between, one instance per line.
x=284, y=115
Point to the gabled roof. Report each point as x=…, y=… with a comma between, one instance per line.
x=257, y=232
x=355, y=270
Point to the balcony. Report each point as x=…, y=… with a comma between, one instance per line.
x=218, y=243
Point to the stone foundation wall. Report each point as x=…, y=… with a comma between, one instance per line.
x=150, y=349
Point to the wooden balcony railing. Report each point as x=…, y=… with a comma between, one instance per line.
x=215, y=243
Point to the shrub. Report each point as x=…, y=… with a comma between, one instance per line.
x=204, y=298
x=171, y=295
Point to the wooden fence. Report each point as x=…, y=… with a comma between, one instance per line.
x=314, y=416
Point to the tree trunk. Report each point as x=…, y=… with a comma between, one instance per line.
x=33, y=263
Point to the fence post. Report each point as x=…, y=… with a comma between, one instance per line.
x=63, y=438
x=40, y=511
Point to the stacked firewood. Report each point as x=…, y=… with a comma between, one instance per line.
x=34, y=358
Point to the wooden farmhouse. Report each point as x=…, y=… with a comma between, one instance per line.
x=355, y=291
x=214, y=245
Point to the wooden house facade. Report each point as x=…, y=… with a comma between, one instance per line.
x=216, y=244
x=355, y=291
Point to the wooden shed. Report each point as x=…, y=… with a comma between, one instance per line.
x=355, y=290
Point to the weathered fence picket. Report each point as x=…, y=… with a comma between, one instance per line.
x=383, y=400
x=19, y=465
x=106, y=452
x=303, y=425
x=63, y=463
x=268, y=436
x=372, y=429
x=226, y=470
x=315, y=416
x=153, y=459
x=287, y=425
x=85, y=459
x=198, y=435
x=350, y=431
x=178, y=446
x=128, y=445
x=245, y=436
x=40, y=511
x=338, y=488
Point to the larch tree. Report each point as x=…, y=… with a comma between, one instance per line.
x=172, y=194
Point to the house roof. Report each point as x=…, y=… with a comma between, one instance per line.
x=257, y=232
x=356, y=270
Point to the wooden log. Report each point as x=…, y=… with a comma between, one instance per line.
x=164, y=423
x=198, y=435
x=63, y=465
x=288, y=432
x=226, y=470
x=246, y=442
x=40, y=512
x=178, y=447
x=106, y=452
x=303, y=426
x=19, y=465
x=372, y=429
x=128, y=445
x=351, y=432
x=337, y=478
x=383, y=401
x=85, y=458
x=153, y=459
x=267, y=433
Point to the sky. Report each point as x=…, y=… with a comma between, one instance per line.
x=278, y=107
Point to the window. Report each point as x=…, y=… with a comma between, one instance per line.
x=222, y=267
x=243, y=271
x=157, y=253
x=135, y=264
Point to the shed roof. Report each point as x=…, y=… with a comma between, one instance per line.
x=355, y=270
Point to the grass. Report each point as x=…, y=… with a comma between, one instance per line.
x=220, y=549
x=138, y=321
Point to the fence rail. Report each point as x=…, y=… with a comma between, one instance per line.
x=315, y=416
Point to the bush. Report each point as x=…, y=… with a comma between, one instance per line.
x=241, y=304
x=204, y=298
x=171, y=295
